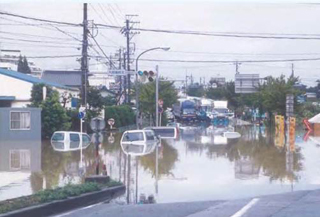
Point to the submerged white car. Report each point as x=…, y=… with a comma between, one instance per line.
x=138, y=142
x=69, y=141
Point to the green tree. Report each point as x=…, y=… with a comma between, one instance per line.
x=195, y=90
x=23, y=65
x=167, y=93
x=95, y=102
x=273, y=93
x=37, y=94
x=53, y=116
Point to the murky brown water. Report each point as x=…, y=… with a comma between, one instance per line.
x=200, y=165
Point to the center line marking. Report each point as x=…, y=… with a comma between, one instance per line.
x=245, y=208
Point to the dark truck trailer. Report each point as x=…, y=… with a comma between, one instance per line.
x=185, y=110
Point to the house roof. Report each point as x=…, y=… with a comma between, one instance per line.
x=31, y=79
x=67, y=78
x=104, y=88
x=7, y=98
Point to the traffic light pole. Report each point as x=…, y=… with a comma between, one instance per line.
x=137, y=85
x=157, y=96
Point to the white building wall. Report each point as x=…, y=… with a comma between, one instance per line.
x=20, y=89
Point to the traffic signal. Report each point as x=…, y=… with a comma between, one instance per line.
x=144, y=75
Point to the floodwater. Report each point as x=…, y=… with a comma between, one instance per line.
x=201, y=164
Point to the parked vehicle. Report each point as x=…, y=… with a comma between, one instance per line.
x=138, y=136
x=185, y=110
x=164, y=132
x=170, y=115
x=232, y=135
x=69, y=141
x=138, y=142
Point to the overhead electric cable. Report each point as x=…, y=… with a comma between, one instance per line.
x=105, y=56
x=39, y=19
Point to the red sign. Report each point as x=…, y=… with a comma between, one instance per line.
x=160, y=102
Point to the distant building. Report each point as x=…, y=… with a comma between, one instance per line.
x=15, y=88
x=105, y=92
x=20, y=124
x=63, y=77
x=218, y=81
x=9, y=60
x=102, y=79
x=246, y=83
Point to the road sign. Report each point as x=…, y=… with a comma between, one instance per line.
x=111, y=139
x=111, y=121
x=160, y=109
x=82, y=112
x=160, y=102
x=120, y=72
x=97, y=124
x=81, y=115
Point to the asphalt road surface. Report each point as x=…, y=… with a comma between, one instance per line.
x=295, y=204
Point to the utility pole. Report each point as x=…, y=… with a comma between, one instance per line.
x=129, y=35
x=128, y=58
x=237, y=67
x=120, y=77
x=157, y=96
x=292, y=70
x=84, y=59
x=124, y=77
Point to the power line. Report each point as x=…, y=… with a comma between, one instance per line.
x=51, y=57
x=35, y=41
x=232, y=61
x=231, y=35
x=27, y=44
x=39, y=19
x=31, y=35
x=185, y=32
x=105, y=56
x=100, y=15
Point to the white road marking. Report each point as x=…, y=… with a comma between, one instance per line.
x=83, y=208
x=245, y=208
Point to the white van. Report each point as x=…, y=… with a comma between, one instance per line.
x=69, y=141
x=138, y=136
x=138, y=142
x=164, y=132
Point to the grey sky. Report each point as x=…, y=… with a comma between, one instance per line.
x=265, y=18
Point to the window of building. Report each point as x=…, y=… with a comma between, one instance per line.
x=20, y=120
x=20, y=159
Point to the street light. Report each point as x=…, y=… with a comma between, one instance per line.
x=137, y=86
x=151, y=49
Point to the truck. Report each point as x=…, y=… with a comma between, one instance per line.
x=221, y=114
x=185, y=110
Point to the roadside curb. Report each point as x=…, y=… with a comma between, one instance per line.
x=68, y=204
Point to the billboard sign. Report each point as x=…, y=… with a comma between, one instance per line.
x=246, y=83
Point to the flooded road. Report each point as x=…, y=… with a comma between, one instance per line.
x=201, y=164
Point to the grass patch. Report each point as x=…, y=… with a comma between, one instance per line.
x=49, y=195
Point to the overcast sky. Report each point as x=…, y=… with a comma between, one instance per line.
x=268, y=19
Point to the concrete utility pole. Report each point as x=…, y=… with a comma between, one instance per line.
x=84, y=59
x=129, y=35
x=292, y=70
x=120, y=77
x=128, y=58
x=237, y=67
x=157, y=96
x=124, y=77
